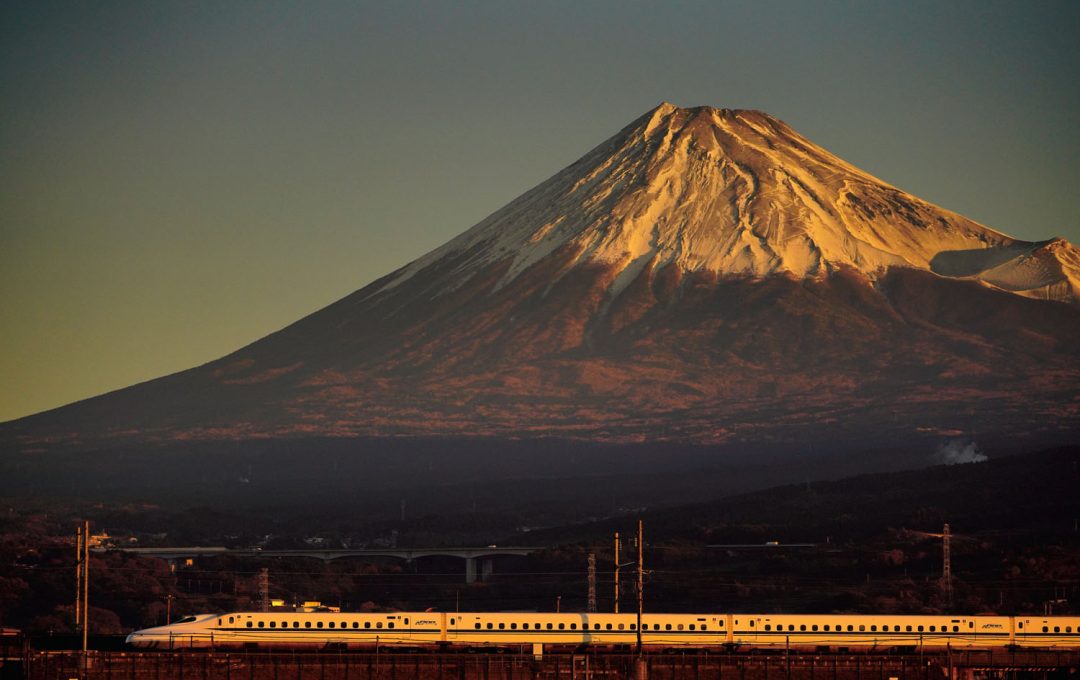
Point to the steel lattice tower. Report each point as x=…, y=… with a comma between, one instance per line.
x=946, y=567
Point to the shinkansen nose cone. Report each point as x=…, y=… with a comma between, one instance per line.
x=149, y=637
x=188, y=631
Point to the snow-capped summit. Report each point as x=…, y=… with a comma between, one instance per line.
x=731, y=192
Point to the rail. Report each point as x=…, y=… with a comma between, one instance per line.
x=52, y=665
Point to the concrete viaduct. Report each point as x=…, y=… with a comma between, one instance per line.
x=479, y=562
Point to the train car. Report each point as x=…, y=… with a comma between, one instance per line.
x=540, y=631
x=845, y=631
x=426, y=630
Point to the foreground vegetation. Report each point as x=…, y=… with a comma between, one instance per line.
x=871, y=548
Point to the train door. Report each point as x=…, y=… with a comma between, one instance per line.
x=1022, y=628
x=753, y=628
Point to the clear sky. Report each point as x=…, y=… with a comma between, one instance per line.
x=180, y=179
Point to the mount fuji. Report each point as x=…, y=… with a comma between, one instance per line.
x=706, y=276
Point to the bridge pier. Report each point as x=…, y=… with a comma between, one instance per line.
x=472, y=574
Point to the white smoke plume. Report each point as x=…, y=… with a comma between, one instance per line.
x=955, y=451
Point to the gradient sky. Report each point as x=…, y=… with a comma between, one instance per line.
x=180, y=179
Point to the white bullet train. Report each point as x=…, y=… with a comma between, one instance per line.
x=545, y=631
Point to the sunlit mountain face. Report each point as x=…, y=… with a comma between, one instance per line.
x=705, y=275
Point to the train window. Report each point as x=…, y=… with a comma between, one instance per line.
x=826, y=627
x=861, y=627
x=513, y=626
x=477, y=625
x=230, y=619
x=261, y=624
x=791, y=626
x=667, y=627
x=378, y=624
x=1057, y=629
x=850, y=627
x=406, y=622
x=752, y=623
x=621, y=626
x=802, y=626
x=525, y=626
x=550, y=626
x=596, y=626
x=956, y=629
x=633, y=626
x=502, y=626
x=249, y=624
x=813, y=627
x=307, y=624
x=721, y=624
x=331, y=624
x=691, y=626
x=920, y=629
x=367, y=624
x=908, y=628
x=608, y=626
x=873, y=628
x=537, y=626
x=563, y=626
x=490, y=625
x=1045, y=629
x=319, y=624
x=679, y=626
x=355, y=624
x=219, y=622
x=703, y=627
x=971, y=624
x=933, y=629
x=1021, y=624
x=390, y=624
x=1068, y=629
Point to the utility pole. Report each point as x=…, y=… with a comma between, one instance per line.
x=641, y=669
x=946, y=569
x=168, y=609
x=78, y=577
x=616, y=572
x=264, y=589
x=591, y=606
x=640, y=580
x=85, y=584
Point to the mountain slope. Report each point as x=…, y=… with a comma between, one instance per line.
x=705, y=275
